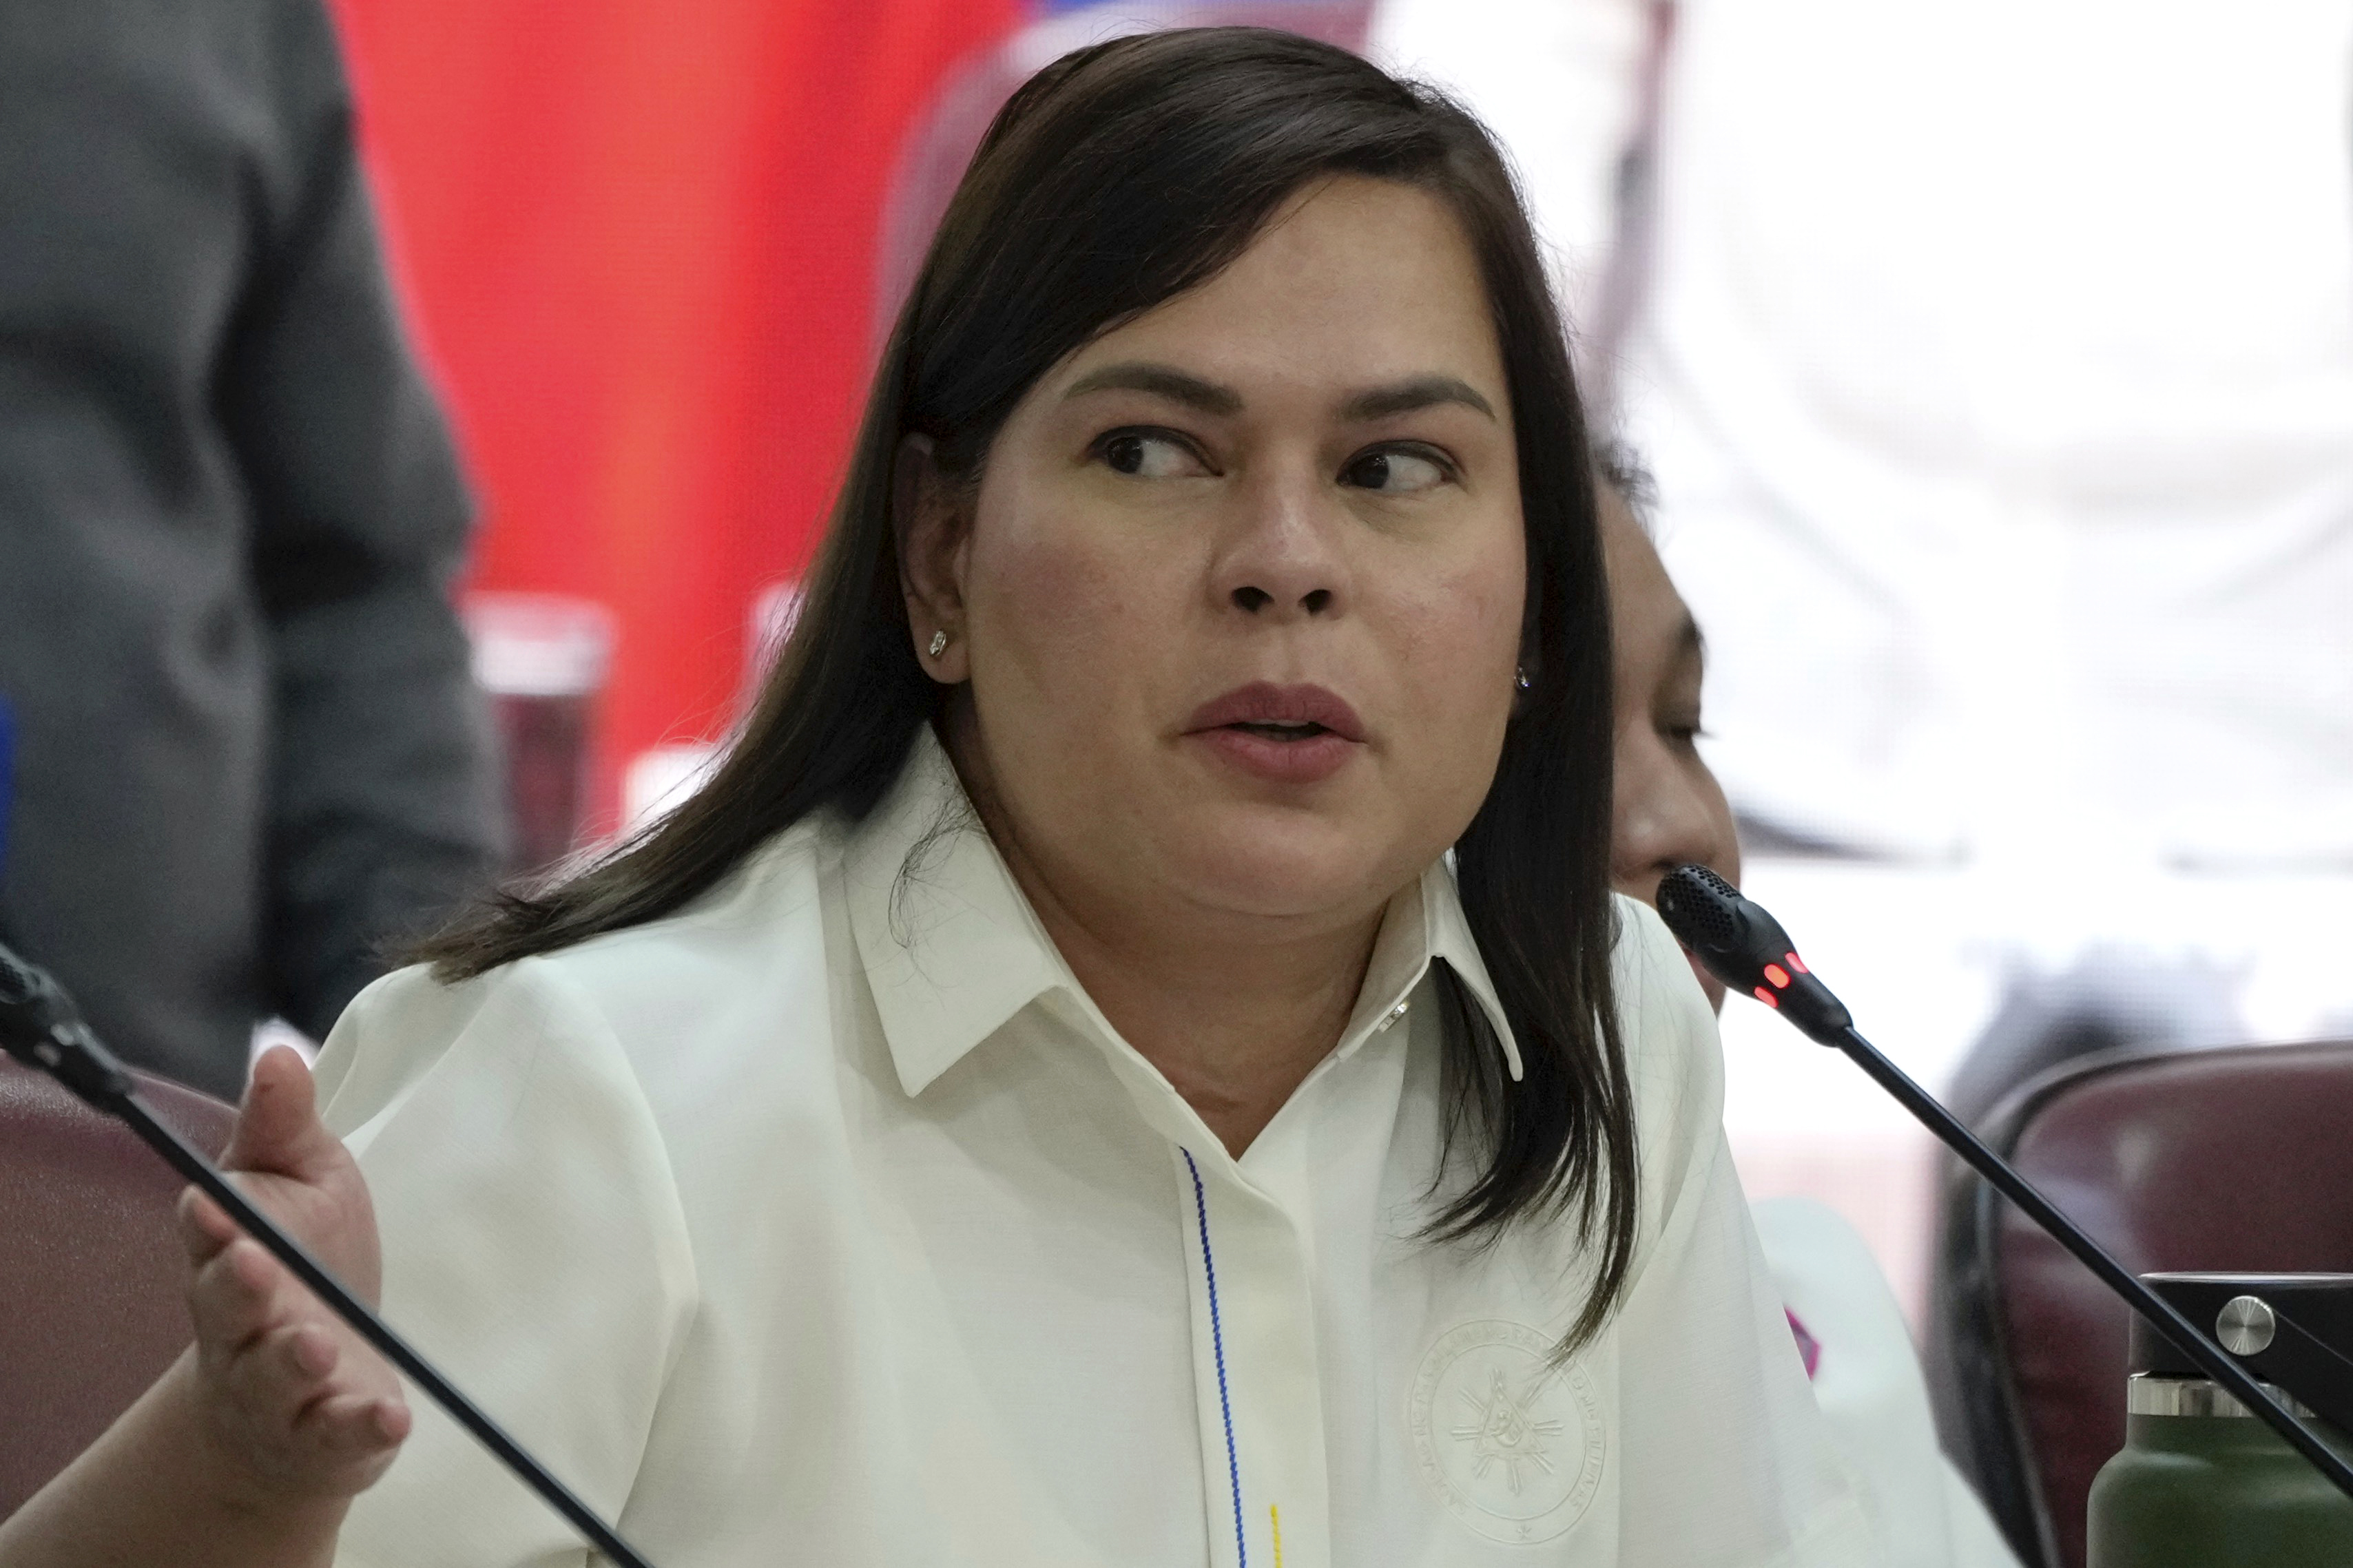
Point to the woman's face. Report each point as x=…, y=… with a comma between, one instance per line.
x=1667, y=809
x=1239, y=593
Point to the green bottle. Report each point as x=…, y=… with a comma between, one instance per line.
x=2201, y=1483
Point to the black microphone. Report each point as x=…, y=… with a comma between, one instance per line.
x=40, y=1026
x=1747, y=950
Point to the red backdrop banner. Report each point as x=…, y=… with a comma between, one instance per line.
x=639, y=245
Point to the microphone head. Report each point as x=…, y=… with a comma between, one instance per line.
x=32, y=1004
x=40, y=1026
x=1702, y=909
x=1747, y=950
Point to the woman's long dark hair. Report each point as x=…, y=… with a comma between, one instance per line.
x=1120, y=176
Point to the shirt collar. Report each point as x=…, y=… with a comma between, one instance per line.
x=952, y=948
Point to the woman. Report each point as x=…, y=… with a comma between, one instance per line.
x=1666, y=808
x=1047, y=1101
x=1669, y=811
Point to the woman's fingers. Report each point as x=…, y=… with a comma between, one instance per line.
x=303, y=1429
x=278, y=1127
x=235, y=1297
x=361, y=1424
x=356, y=1438
x=303, y=1404
x=283, y=1159
x=269, y=1385
x=205, y=1227
x=310, y=1408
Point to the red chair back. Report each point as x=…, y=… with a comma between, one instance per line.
x=2238, y=1159
x=92, y=1305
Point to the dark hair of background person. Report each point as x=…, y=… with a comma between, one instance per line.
x=1117, y=178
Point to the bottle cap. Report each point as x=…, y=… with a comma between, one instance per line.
x=2292, y=1329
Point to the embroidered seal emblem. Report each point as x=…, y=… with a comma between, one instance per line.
x=1512, y=1445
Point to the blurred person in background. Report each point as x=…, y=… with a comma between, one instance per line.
x=1667, y=810
x=1996, y=364
x=246, y=745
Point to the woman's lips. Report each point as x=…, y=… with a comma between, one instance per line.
x=1263, y=702
x=1284, y=734
x=1311, y=760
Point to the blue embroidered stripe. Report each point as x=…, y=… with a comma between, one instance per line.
x=1218, y=1344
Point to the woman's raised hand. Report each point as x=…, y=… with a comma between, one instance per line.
x=297, y=1406
x=248, y=1451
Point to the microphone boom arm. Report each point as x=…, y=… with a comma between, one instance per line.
x=2162, y=1314
x=1747, y=950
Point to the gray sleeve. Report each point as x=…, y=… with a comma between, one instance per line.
x=382, y=810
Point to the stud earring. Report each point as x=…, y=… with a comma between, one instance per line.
x=939, y=641
x=1521, y=678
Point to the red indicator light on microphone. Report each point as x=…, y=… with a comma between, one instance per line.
x=1796, y=963
x=1777, y=975
x=1768, y=997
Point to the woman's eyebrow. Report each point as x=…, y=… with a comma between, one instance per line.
x=1162, y=381
x=1420, y=392
x=1209, y=397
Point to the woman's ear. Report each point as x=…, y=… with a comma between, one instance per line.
x=934, y=532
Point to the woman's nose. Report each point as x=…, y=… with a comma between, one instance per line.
x=1251, y=598
x=1283, y=557
x=1663, y=817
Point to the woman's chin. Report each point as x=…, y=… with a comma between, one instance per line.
x=1289, y=867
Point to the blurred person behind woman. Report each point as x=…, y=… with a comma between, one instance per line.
x=1995, y=361
x=246, y=747
x=1667, y=810
x=1050, y=1099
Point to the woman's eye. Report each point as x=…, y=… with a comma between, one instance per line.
x=1149, y=456
x=1394, y=472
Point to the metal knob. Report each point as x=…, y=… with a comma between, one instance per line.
x=2245, y=1325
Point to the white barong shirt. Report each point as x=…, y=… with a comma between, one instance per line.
x=829, y=1222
